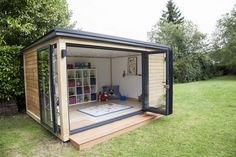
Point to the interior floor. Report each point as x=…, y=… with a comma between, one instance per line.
x=79, y=119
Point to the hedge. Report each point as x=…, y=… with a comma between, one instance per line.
x=11, y=73
x=192, y=67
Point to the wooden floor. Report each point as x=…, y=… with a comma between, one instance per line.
x=79, y=119
x=87, y=139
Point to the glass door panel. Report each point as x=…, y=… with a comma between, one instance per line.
x=46, y=88
x=157, y=82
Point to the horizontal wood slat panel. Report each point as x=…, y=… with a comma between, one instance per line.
x=159, y=59
x=156, y=89
x=31, y=80
x=31, y=70
x=32, y=91
x=33, y=101
x=31, y=73
x=31, y=54
x=29, y=87
x=156, y=79
x=31, y=66
x=32, y=77
x=34, y=110
x=34, y=106
x=32, y=62
x=29, y=59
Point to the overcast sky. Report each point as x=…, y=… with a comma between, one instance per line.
x=134, y=18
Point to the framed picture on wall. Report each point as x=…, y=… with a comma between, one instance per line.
x=132, y=65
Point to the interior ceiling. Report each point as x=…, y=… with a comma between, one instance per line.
x=90, y=52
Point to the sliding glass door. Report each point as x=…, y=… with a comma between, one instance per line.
x=46, y=88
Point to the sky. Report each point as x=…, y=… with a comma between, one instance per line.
x=134, y=18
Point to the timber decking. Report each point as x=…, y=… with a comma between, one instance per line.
x=89, y=138
x=79, y=119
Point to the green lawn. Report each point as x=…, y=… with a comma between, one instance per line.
x=203, y=124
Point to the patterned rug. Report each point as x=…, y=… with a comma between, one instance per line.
x=101, y=110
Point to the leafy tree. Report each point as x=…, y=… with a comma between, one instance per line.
x=183, y=38
x=11, y=70
x=191, y=63
x=192, y=67
x=172, y=14
x=22, y=21
x=224, y=41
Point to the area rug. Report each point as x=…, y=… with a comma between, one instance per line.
x=104, y=109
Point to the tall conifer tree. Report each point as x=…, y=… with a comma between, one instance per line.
x=172, y=14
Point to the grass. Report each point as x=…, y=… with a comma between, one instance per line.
x=203, y=124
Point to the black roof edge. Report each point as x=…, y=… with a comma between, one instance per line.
x=94, y=36
x=43, y=38
x=98, y=36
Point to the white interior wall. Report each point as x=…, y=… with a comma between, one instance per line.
x=130, y=86
x=101, y=64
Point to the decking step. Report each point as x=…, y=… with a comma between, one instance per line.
x=87, y=139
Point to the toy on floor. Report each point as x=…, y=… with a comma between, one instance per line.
x=113, y=91
x=102, y=96
x=122, y=98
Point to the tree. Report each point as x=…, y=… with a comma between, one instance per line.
x=11, y=83
x=172, y=14
x=191, y=62
x=224, y=41
x=22, y=21
x=183, y=38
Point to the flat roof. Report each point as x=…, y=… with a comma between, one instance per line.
x=93, y=36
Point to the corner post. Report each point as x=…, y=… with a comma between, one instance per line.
x=62, y=87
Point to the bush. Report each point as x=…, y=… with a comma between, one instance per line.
x=192, y=67
x=224, y=70
x=11, y=75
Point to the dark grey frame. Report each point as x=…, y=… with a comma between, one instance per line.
x=169, y=81
x=144, y=84
x=52, y=90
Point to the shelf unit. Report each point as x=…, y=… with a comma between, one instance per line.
x=82, y=86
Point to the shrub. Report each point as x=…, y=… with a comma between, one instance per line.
x=221, y=69
x=11, y=74
x=192, y=67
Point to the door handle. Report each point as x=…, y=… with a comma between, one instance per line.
x=167, y=86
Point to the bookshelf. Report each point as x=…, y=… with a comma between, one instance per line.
x=82, y=86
